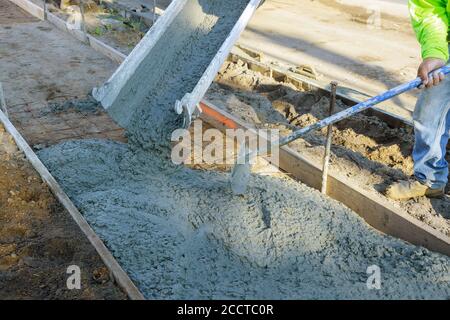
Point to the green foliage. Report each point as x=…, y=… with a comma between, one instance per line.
x=98, y=31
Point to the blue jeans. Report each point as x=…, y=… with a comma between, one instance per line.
x=432, y=131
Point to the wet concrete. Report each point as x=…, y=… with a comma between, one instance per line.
x=182, y=234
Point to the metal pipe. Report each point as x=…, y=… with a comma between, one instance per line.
x=326, y=158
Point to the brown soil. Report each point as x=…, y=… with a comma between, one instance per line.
x=39, y=240
x=366, y=149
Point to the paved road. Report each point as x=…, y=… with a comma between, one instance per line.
x=396, y=1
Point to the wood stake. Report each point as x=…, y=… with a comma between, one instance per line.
x=3, y=101
x=83, y=21
x=45, y=9
x=326, y=158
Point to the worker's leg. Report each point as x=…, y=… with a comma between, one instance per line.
x=432, y=125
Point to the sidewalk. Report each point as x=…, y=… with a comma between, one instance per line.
x=395, y=8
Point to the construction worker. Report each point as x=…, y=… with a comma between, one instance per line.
x=430, y=20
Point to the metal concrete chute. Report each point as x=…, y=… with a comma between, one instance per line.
x=109, y=92
x=188, y=104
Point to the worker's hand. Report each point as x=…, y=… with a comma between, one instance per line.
x=426, y=67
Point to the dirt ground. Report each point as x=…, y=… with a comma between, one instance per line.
x=40, y=65
x=10, y=13
x=39, y=240
x=365, y=149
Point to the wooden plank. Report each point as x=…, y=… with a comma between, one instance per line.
x=3, y=106
x=376, y=211
x=113, y=266
x=106, y=50
x=96, y=44
x=30, y=7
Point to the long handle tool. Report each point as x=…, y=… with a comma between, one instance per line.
x=241, y=171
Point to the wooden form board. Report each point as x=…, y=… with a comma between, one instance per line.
x=97, y=45
x=376, y=211
x=118, y=274
x=30, y=7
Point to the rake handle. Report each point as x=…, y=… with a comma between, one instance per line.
x=356, y=109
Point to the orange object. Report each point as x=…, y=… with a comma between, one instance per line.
x=219, y=117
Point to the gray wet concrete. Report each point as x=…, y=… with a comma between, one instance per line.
x=182, y=234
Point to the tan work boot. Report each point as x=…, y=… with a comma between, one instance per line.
x=404, y=190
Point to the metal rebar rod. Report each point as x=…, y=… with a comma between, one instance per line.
x=3, y=101
x=326, y=158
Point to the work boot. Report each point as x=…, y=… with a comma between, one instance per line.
x=404, y=190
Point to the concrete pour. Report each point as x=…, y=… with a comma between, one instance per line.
x=174, y=67
x=182, y=234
